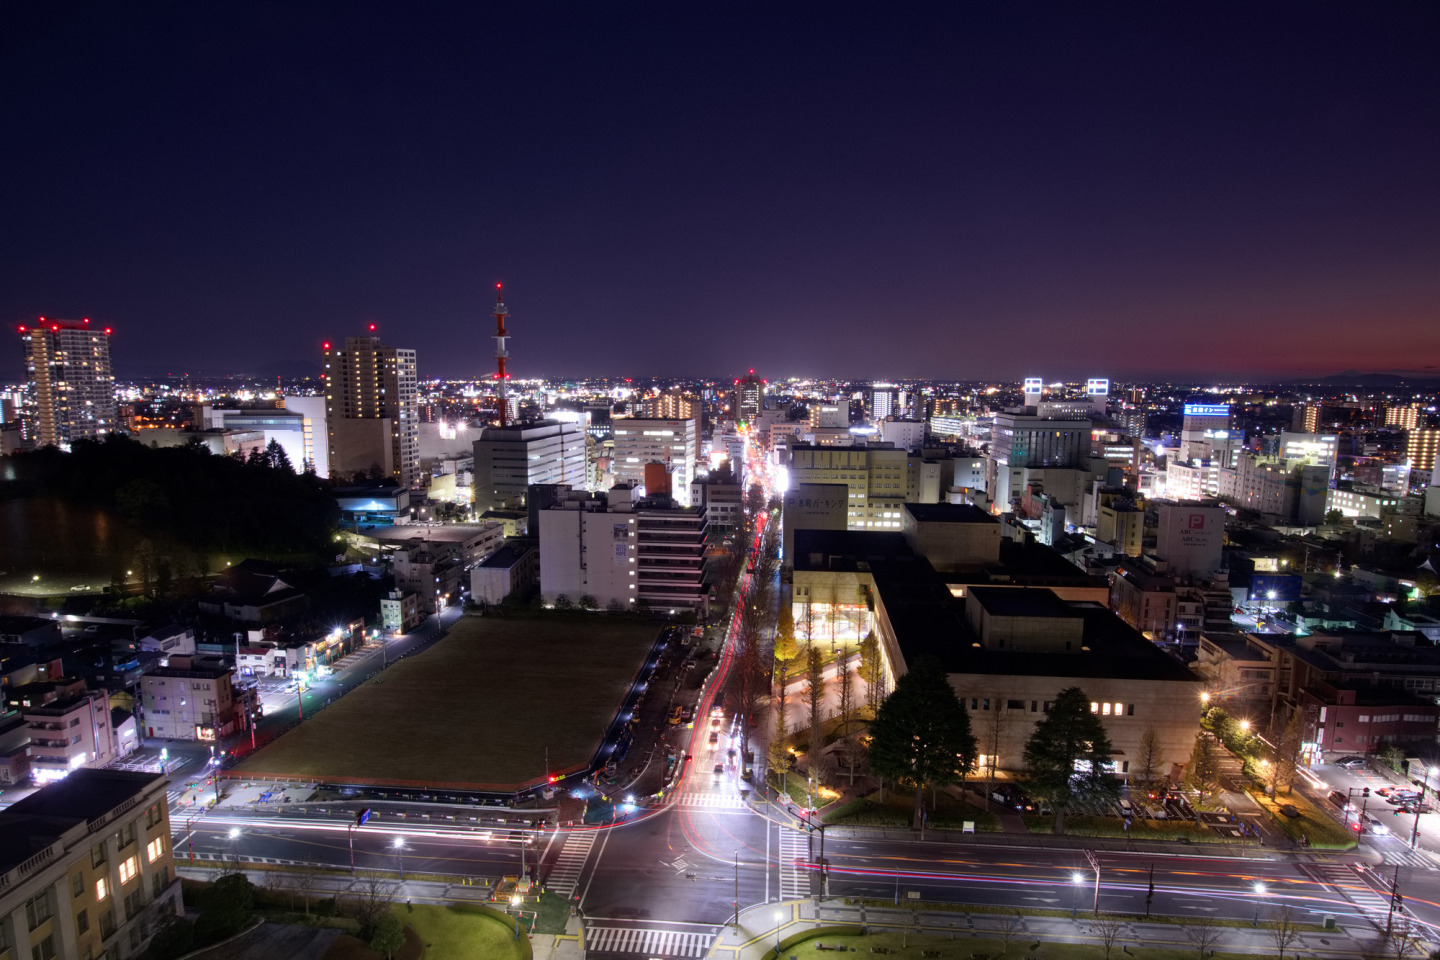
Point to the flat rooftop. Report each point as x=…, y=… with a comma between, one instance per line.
x=432, y=533
x=32, y=824
x=949, y=513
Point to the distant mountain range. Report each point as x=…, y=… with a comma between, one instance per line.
x=1428, y=379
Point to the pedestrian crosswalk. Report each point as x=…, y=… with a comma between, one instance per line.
x=1399, y=855
x=648, y=942
x=1351, y=886
x=722, y=801
x=794, y=855
x=570, y=863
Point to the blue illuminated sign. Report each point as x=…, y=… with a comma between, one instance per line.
x=1207, y=409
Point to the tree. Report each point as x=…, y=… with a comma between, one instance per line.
x=921, y=734
x=277, y=458
x=1405, y=939
x=1284, y=929
x=373, y=896
x=1332, y=517
x=992, y=746
x=587, y=602
x=807, y=621
x=846, y=705
x=1287, y=754
x=1147, y=763
x=1203, y=772
x=1108, y=930
x=778, y=756
x=814, y=700
x=224, y=908
x=175, y=937
x=786, y=649
x=872, y=667
x=305, y=881
x=389, y=935
x=563, y=602
x=1204, y=934
x=1068, y=754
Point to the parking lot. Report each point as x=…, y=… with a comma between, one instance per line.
x=1389, y=829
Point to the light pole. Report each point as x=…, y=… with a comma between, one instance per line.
x=1078, y=879
x=1259, y=892
x=399, y=845
x=779, y=915
x=737, y=888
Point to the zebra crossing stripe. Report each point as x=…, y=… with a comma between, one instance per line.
x=794, y=878
x=670, y=944
x=570, y=863
x=724, y=801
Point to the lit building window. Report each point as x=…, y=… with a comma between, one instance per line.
x=102, y=889
x=154, y=848
x=128, y=869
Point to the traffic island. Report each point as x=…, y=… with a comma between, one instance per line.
x=485, y=709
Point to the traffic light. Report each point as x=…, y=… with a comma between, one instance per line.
x=1365, y=792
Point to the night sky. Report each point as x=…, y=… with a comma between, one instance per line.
x=960, y=190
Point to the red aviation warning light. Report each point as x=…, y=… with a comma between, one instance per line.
x=107, y=331
x=372, y=328
x=22, y=328
x=326, y=344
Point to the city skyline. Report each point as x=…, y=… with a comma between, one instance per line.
x=941, y=193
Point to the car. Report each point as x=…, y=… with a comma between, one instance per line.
x=1420, y=807
x=1401, y=797
x=1290, y=810
x=719, y=769
x=1373, y=825
x=714, y=738
x=1351, y=762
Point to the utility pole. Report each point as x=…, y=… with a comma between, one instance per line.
x=1396, y=902
x=1419, y=805
x=1095, y=865
x=736, y=921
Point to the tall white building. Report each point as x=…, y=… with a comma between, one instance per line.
x=618, y=550
x=509, y=459
x=671, y=442
x=314, y=438
x=71, y=381
x=371, y=410
x=885, y=401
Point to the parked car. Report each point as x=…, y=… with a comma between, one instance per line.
x=1399, y=797
x=1418, y=807
x=1351, y=762
x=1341, y=800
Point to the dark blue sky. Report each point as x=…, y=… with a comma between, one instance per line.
x=887, y=190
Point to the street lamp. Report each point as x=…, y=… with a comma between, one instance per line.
x=1259, y=892
x=399, y=845
x=1078, y=879
x=234, y=833
x=779, y=915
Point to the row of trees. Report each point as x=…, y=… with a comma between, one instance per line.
x=921, y=736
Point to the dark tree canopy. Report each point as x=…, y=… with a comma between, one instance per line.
x=186, y=495
x=1067, y=754
x=921, y=735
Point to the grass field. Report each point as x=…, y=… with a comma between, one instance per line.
x=898, y=810
x=1095, y=826
x=477, y=710
x=441, y=933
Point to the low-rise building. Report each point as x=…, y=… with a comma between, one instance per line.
x=399, y=612
x=194, y=699
x=68, y=733
x=513, y=570
x=86, y=868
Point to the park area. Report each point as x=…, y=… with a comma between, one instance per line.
x=478, y=710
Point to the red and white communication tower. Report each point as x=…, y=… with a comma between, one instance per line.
x=501, y=354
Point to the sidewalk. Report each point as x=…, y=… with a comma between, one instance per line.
x=755, y=937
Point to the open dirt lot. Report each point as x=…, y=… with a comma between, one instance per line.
x=478, y=710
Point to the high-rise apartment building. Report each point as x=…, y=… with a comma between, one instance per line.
x=884, y=401
x=749, y=398
x=1405, y=417
x=1306, y=418
x=371, y=414
x=640, y=441
x=508, y=460
x=1421, y=447
x=879, y=480
x=70, y=379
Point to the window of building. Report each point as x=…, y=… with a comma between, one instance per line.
x=1014, y=704
x=160, y=880
x=77, y=885
x=153, y=849
x=107, y=925
x=1119, y=709
x=43, y=950
x=82, y=921
x=1104, y=709
x=1095, y=707
x=133, y=905
x=97, y=854
x=102, y=889
x=37, y=909
x=1363, y=718
x=126, y=836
